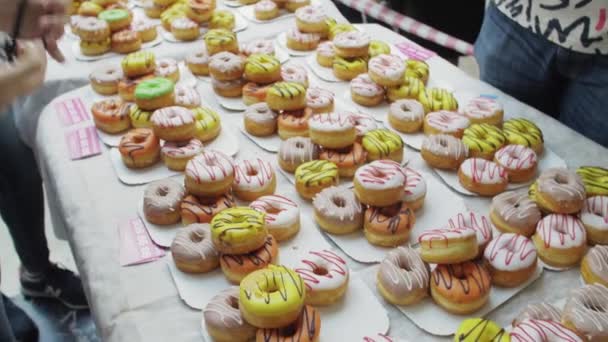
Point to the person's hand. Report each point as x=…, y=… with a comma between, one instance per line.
x=25, y=74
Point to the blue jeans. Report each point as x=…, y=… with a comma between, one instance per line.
x=570, y=86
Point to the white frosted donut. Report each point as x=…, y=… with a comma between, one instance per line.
x=406, y=110
x=226, y=62
x=183, y=24
x=364, y=86
x=186, y=96
x=516, y=157
x=261, y=114
x=281, y=212
x=363, y=124
x=182, y=150
x=595, y=212
x=510, y=252
x=294, y=73
x=199, y=57
x=326, y=49
x=265, y=6
x=381, y=175
x=210, y=165
x=317, y=98
x=165, y=67
x=263, y=46
x=482, y=108
x=106, y=73
x=479, y=223
x=447, y=122
x=253, y=175
x=307, y=38
x=561, y=231
x=336, y=122
x=533, y=330
x=311, y=14
x=415, y=185
x=483, y=171
x=141, y=25
x=322, y=271
x=352, y=39
x=298, y=150
x=440, y=238
x=173, y=116
x=390, y=67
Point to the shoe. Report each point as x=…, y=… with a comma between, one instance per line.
x=56, y=283
x=24, y=328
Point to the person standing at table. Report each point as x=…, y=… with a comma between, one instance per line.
x=21, y=194
x=553, y=55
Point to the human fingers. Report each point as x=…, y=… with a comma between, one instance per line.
x=54, y=51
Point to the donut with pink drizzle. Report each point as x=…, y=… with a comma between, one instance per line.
x=483, y=177
x=380, y=183
x=511, y=259
x=282, y=215
x=484, y=110
x=325, y=275
x=365, y=91
x=519, y=161
x=542, y=311
x=415, y=188
x=333, y=130
x=445, y=122
x=209, y=174
x=311, y=19
x=319, y=100
x=294, y=73
x=363, y=124
x=448, y=246
x=301, y=41
x=515, y=212
x=586, y=312
x=403, y=278
x=223, y=319
x=263, y=46
x=536, y=330
x=253, y=178
x=173, y=123
x=560, y=240
x=326, y=54
x=480, y=223
x=177, y=154
x=167, y=68
x=352, y=44
x=594, y=216
x=387, y=70
x=186, y=96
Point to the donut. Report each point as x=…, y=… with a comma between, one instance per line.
x=388, y=226
x=222, y=19
x=218, y=40
x=379, y=183
x=237, y=266
x=595, y=180
x=460, y=288
x=167, y=68
x=314, y=176
x=336, y=29
x=300, y=41
x=125, y=41
x=586, y=312
x=347, y=159
x=199, y=11
x=406, y=116
x=511, y=259
x=104, y=79
x=146, y=30
x=209, y=174
x=253, y=178
x=272, y=297
x=443, y=151
x=337, y=210
x=515, y=212
x=445, y=122
x=483, y=140
x=293, y=123
x=192, y=249
x=364, y=91
x=139, y=148
x=232, y=88
x=383, y=144
x=171, y=13
x=126, y=87
x=479, y=223
x=238, y=230
x=117, y=19
x=154, y=93
x=91, y=29
x=202, y=210
x=185, y=29
x=286, y=96
x=198, y=62
x=483, y=177
x=480, y=329
x=139, y=118
x=162, y=200
x=448, y=246
x=319, y=100
x=152, y=10
x=414, y=191
x=363, y=124
x=295, y=151
x=346, y=69
x=295, y=73
x=594, y=267
x=403, y=278
x=177, y=154
x=417, y=69
x=111, y=115
x=410, y=88
x=560, y=240
x=282, y=215
x=560, y=191
x=207, y=126
x=223, y=319
x=262, y=69
x=88, y=48
x=312, y=19
x=437, y=99
x=264, y=46
x=254, y=93
x=226, y=66
x=325, y=54
x=535, y=330
x=333, y=130
x=186, y=96
x=541, y=311
x=294, y=5
x=484, y=110
x=259, y=120
x=377, y=47
x=174, y=123
x=524, y=132
x=265, y=10
x=351, y=44
x=386, y=70
x=306, y=328
x=325, y=276
x=520, y=162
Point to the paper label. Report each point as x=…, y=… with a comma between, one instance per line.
x=71, y=111
x=414, y=51
x=136, y=247
x=83, y=142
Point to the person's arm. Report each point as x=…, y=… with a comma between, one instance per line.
x=25, y=74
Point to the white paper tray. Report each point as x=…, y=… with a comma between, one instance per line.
x=79, y=56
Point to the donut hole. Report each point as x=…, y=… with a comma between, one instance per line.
x=162, y=191
x=339, y=202
x=273, y=211
x=404, y=266
x=299, y=145
x=561, y=179
x=377, y=173
x=252, y=172
x=443, y=143
x=196, y=238
x=233, y=302
x=320, y=270
x=138, y=139
x=405, y=107
x=516, y=205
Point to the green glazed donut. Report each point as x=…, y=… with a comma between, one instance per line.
x=153, y=88
x=114, y=15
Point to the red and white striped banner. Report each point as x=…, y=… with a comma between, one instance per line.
x=407, y=24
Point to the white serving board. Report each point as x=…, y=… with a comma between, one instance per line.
x=269, y=143
x=413, y=140
x=162, y=235
x=282, y=41
x=138, y=176
x=248, y=12
x=240, y=24
x=79, y=56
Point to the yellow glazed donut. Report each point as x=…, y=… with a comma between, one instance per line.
x=222, y=19
x=333, y=130
x=218, y=40
x=377, y=47
x=595, y=180
x=436, y=99
x=483, y=140
x=411, y=88
x=348, y=68
x=272, y=297
x=417, y=69
x=480, y=330
x=208, y=125
x=314, y=176
x=286, y=96
x=238, y=230
x=383, y=144
x=140, y=118
x=262, y=69
x=336, y=29
x=524, y=132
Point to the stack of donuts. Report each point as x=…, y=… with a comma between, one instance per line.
x=270, y=9
x=92, y=8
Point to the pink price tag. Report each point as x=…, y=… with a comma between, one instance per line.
x=83, y=142
x=136, y=246
x=71, y=111
x=414, y=51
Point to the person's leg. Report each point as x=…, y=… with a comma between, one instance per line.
x=517, y=61
x=22, y=326
x=6, y=332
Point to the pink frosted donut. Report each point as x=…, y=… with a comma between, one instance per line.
x=319, y=100
x=484, y=110
x=363, y=124
x=325, y=275
x=415, y=188
x=479, y=223
x=253, y=178
x=294, y=73
x=520, y=162
x=594, y=216
x=482, y=176
x=263, y=46
x=186, y=96
x=445, y=122
x=167, y=68
x=387, y=70
x=560, y=190
x=560, y=240
x=282, y=215
x=534, y=330
x=363, y=85
x=351, y=40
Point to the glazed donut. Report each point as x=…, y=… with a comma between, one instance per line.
x=594, y=217
x=174, y=123
x=253, y=178
x=484, y=110
x=306, y=328
x=388, y=226
x=595, y=180
x=139, y=118
x=448, y=246
x=198, y=62
x=593, y=266
x=382, y=144
x=202, y=210
x=266, y=10
x=351, y=44
x=199, y=11
x=363, y=124
x=480, y=329
x=154, y=93
x=560, y=191
x=162, y=200
x=237, y=266
x=272, y=297
x=483, y=140
x=88, y=48
x=167, y=68
x=208, y=125
x=445, y=122
x=377, y=47
x=335, y=29
x=479, y=223
x=406, y=116
x=333, y=130
x=511, y=259
x=105, y=79
x=536, y=330
x=337, y=210
x=519, y=161
x=146, y=30
x=514, y=212
x=326, y=54
x=314, y=176
x=436, y=99
x=300, y=41
x=282, y=215
x=294, y=73
x=325, y=275
x=259, y=120
x=222, y=19
x=177, y=154
x=386, y=70
x=238, y=230
x=254, y=93
x=117, y=19
x=586, y=312
x=524, y=132
x=346, y=69
x=262, y=69
x=226, y=66
x=91, y=29
x=218, y=40
x=264, y=46
x=319, y=100
x=348, y=159
x=186, y=96
x=414, y=190
x=460, y=288
x=295, y=151
x=364, y=91
x=139, y=148
x=443, y=151
x=483, y=177
x=210, y=173
x=312, y=19
x=403, y=278
x=287, y=96
x=223, y=319
x=560, y=240
x=293, y=123
x=379, y=183
x=410, y=88
x=185, y=29
x=417, y=69
x=542, y=311
x=125, y=41
x=111, y=115
x=193, y=251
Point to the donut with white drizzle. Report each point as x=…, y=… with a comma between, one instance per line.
x=586, y=312
x=295, y=151
x=186, y=96
x=515, y=212
x=403, y=278
x=337, y=210
x=594, y=216
x=325, y=275
x=193, y=251
x=594, y=267
x=222, y=316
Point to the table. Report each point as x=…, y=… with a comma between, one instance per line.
x=141, y=303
